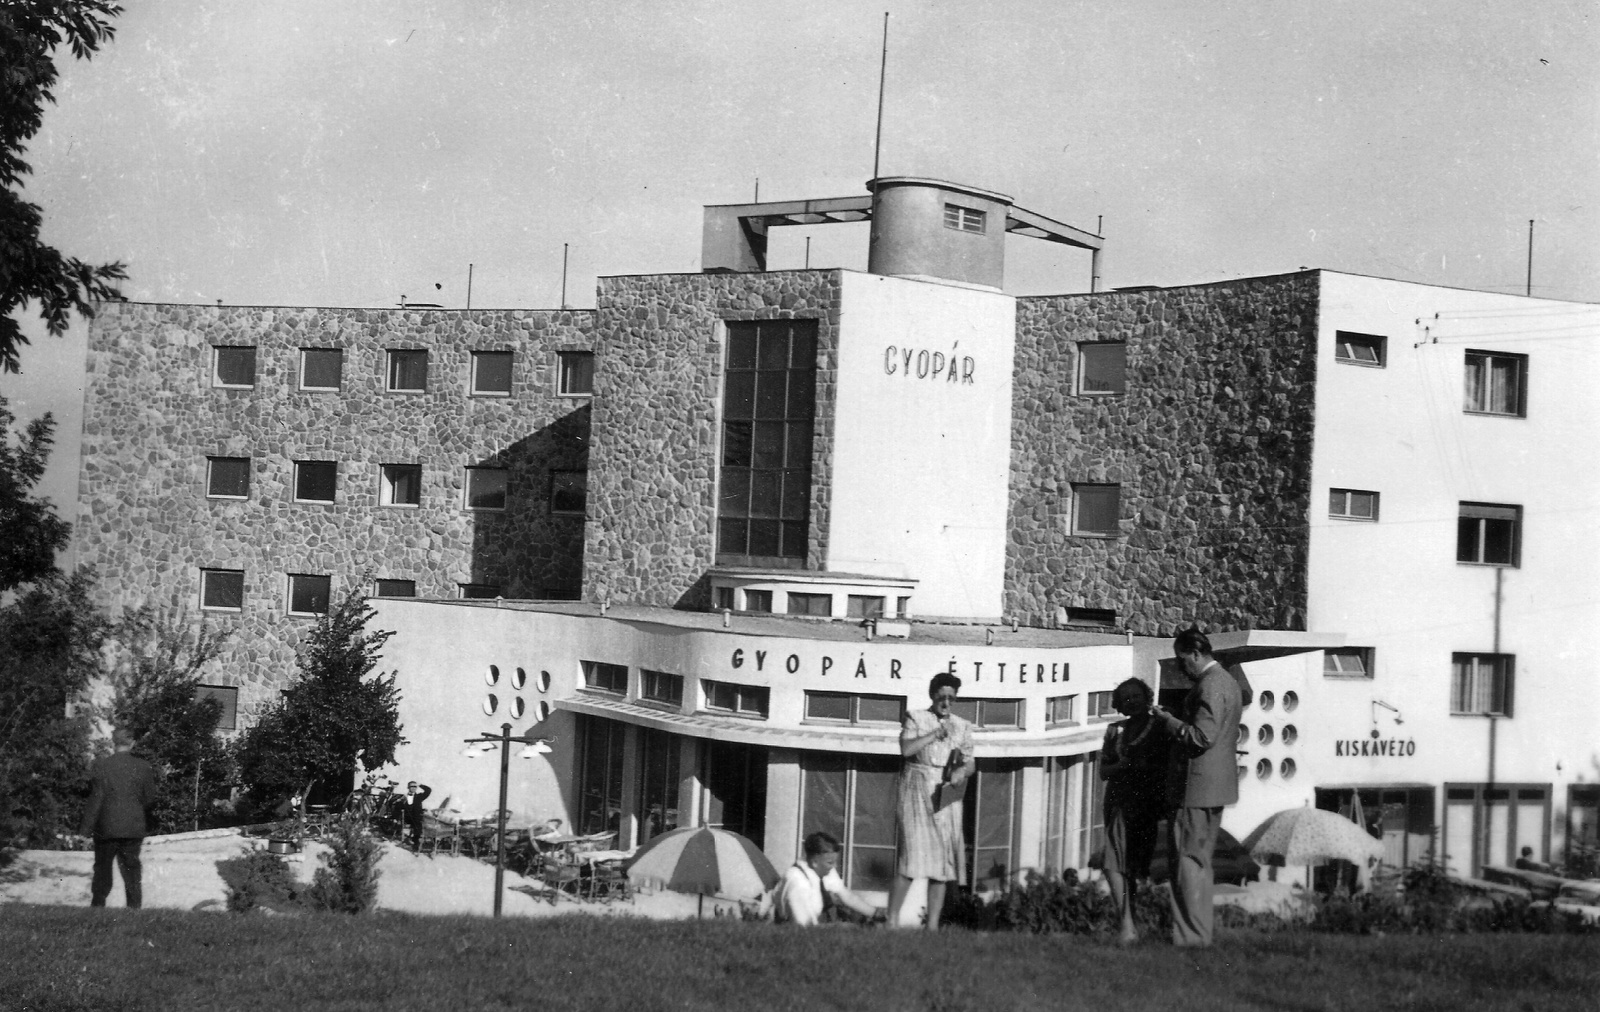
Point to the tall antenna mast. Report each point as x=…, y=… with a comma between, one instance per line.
x=469, y=288
x=563, y=275
x=883, y=69
x=1530, y=256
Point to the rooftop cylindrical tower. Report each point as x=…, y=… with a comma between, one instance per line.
x=937, y=229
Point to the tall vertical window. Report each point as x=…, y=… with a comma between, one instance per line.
x=659, y=761
x=1101, y=367
x=1482, y=684
x=1489, y=534
x=575, y=373
x=1095, y=509
x=1063, y=778
x=321, y=368
x=735, y=795
x=491, y=373
x=853, y=798
x=599, y=775
x=234, y=366
x=769, y=403
x=401, y=485
x=1497, y=383
x=408, y=370
x=992, y=802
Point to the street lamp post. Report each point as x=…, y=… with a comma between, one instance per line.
x=504, y=739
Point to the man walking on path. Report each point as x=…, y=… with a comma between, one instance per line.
x=118, y=816
x=1201, y=779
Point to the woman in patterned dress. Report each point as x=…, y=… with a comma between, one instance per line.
x=928, y=813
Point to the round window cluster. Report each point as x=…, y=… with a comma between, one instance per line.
x=1267, y=701
x=1286, y=769
x=492, y=676
x=1291, y=700
x=1264, y=736
x=1290, y=734
x=491, y=703
x=1264, y=769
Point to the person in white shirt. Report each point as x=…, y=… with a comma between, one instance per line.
x=813, y=884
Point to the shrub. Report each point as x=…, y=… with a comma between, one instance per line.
x=1430, y=902
x=1050, y=904
x=258, y=879
x=348, y=881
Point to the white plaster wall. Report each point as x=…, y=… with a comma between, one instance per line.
x=920, y=465
x=1395, y=585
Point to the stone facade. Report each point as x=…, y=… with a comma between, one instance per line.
x=1210, y=443
x=153, y=416
x=658, y=388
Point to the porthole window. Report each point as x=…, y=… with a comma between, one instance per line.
x=1243, y=771
x=1286, y=769
x=492, y=676
x=491, y=703
x=1244, y=735
x=518, y=707
x=1267, y=701
x=1264, y=736
x=1291, y=700
x=544, y=710
x=1290, y=733
x=1264, y=769
x=544, y=681
x=519, y=679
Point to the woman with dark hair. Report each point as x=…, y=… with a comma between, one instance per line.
x=937, y=748
x=1133, y=763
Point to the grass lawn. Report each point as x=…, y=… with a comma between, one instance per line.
x=59, y=959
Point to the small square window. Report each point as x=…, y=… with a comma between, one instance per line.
x=1352, y=504
x=234, y=367
x=491, y=373
x=228, y=477
x=863, y=606
x=1489, y=534
x=321, y=368
x=1482, y=684
x=228, y=703
x=1060, y=710
x=400, y=485
x=1347, y=662
x=1102, y=366
x=1497, y=383
x=479, y=591
x=723, y=598
x=758, y=600
x=1101, y=705
x=397, y=588
x=227, y=697
x=486, y=488
x=820, y=605
x=576, y=373
x=661, y=687
x=1360, y=349
x=222, y=589
x=569, y=492
x=408, y=370
x=605, y=677
x=308, y=594
x=1095, y=509
x=964, y=219
x=315, y=480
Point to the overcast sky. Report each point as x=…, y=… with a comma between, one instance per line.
x=348, y=154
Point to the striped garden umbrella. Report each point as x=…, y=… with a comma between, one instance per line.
x=710, y=862
x=1305, y=835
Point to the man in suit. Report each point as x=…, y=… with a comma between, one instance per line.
x=118, y=817
x=1201, y=778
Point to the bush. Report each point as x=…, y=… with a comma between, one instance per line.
x=1430, y=902
x=1050, y=904
x=348, y=881
x=258, y=879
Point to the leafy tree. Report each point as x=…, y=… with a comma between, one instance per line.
x=160, y=657
x=337, y=713
x=50, y=640
x=33, y=532
x=30, y=33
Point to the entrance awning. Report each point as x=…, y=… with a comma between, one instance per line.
x=859, y=740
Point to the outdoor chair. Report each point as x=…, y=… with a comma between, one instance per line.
x=607, y=881
x=477, y=838
x=436, y=832
x=559, y=877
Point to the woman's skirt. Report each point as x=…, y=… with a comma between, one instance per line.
x=928, y=827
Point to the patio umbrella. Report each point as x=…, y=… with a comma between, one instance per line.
x=1305, y=835
x=710, y=862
